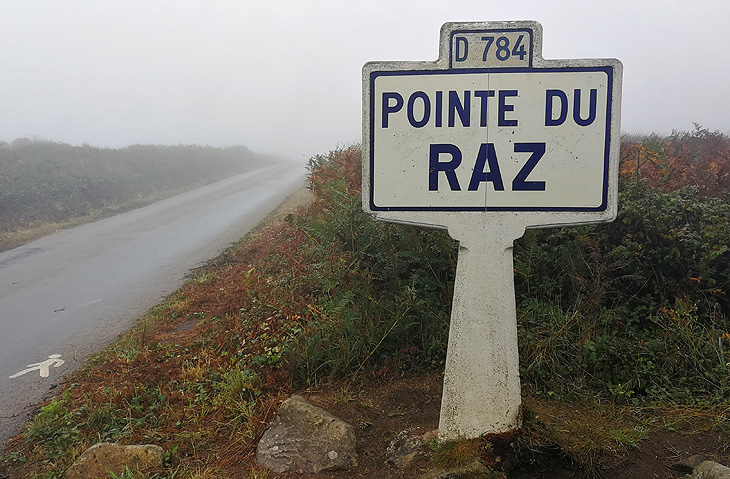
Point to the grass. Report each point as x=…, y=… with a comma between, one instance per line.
x=457, y=453
x=593, y=434
x=344, y=395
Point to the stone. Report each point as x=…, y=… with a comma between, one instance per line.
x=472, y=470
x=306, y=438
x=710, y=470
x=687, y=465
x=406, y=447
x=100, y=459
x=694, y=460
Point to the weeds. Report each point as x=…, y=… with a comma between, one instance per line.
x=457, y=453
x=56, y=428
x=128, y=473
x=635, y=310
x=593, y=435
x=378, y=289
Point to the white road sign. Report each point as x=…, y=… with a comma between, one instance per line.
x=487, y=141
x=491, y=126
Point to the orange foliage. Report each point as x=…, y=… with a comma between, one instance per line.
x=345, y=165
x=700, y=158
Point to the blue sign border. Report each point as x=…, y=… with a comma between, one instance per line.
x=608, y=70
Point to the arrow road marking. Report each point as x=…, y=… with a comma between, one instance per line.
x=43, y=366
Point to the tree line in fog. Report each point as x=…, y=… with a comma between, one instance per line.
x=46, y=181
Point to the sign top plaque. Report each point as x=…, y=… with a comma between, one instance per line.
x=492, y=48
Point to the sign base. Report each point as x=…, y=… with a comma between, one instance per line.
x=481, y=393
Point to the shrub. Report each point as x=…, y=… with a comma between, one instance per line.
x=380, y=293
x=637, y=307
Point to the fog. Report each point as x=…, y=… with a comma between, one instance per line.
x=283, y=77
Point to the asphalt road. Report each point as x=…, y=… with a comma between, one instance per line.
x=70, y=294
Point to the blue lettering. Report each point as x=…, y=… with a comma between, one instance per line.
x=464, y=110
x=504, y=107
x=421, y=107
x=483, y=95
x=461, y=55
x=426, y=109
x=447, y=167
x=549, y=96
x=387, y=108
x=520, y=182
x=591, y=110
x=486, y=155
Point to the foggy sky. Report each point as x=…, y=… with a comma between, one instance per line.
x=283, y=77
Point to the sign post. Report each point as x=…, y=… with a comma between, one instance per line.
x=488, y=140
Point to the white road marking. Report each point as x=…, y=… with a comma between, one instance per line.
x=43, y=366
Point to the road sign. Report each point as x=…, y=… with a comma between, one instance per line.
x=486, y=141
x=491, y=126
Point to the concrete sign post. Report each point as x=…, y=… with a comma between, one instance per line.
x=487, y=141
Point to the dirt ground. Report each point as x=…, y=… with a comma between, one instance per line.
x=384, y=409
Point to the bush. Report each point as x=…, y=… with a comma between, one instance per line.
x=637, y=308
x=380, y=293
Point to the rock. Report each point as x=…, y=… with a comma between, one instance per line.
x=406, y=447
x=306, y=438
x=687, y=465
x=711, y=470
x=430, y=436
x=98, y=460
x=472, y=470
x=694, y=460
